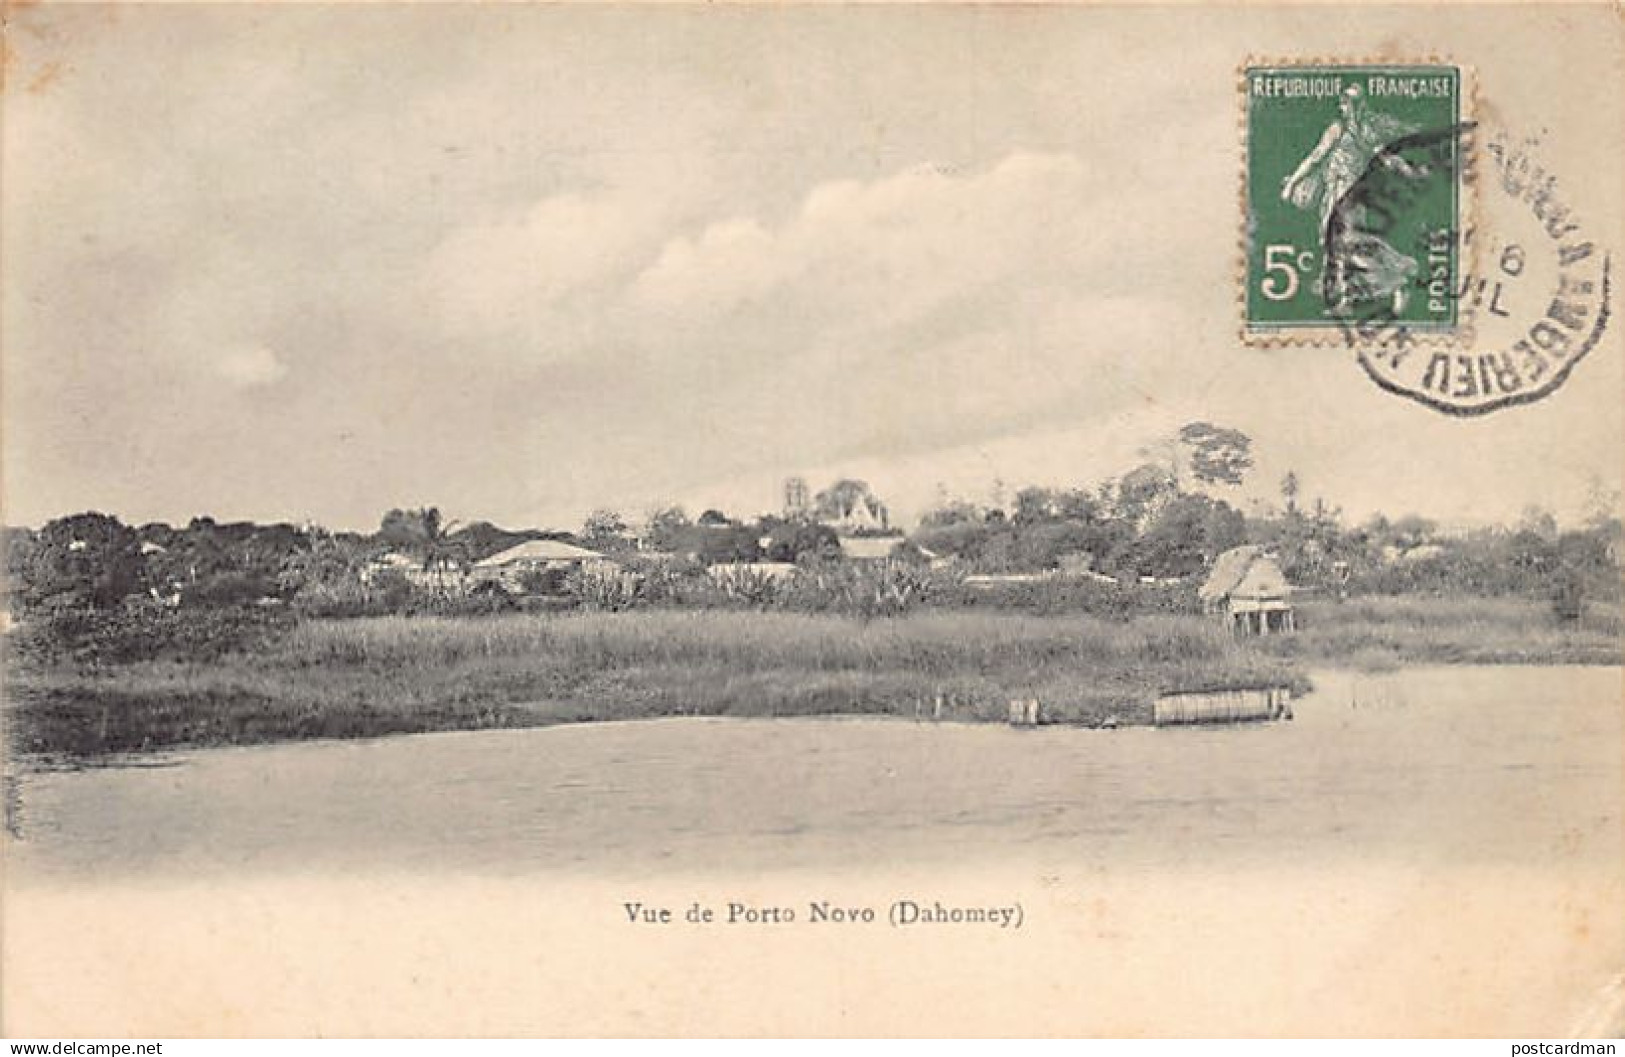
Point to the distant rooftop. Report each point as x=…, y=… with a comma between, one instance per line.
x=869, y=548
x=539, y=551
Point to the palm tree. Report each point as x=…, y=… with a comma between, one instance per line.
x=424, y=532
x=1289, y=492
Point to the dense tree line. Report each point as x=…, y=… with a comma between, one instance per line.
x=93, y=563
x=1145, y=527
x=1160, y=525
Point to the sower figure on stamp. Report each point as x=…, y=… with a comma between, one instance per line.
x=1357, y=265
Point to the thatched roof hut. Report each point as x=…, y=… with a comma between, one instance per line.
x=1249, y=589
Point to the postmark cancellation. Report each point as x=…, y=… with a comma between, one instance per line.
x=1379, y=216
x=1353, y=198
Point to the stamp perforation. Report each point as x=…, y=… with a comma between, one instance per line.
x=1333, y=334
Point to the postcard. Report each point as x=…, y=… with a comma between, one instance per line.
x=812, y=520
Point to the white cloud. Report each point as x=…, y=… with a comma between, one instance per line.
x=706, y=252
x=250, y=366
x=503, y=274
x=876, y=320
x=889, y=251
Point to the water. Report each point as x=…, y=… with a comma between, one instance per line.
x=1504, y=764
x=1435, y=851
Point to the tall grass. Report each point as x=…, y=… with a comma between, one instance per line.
x=350, y=678
x=1385, y=631
x=389, y=674
x=932, y=641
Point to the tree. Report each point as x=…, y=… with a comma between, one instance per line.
x=423, y=533
x=1188, y=534
x=602, y=525
x=791, y=539
x=1537, y=521
x=200, y=551
x=1143, y=492
x=847, y=498
x=481, y=539
x=963, y=538
x=18, y=546
x=1532, y=554
x=410, y=529
x=1602, y=509
x=1289, y=492
x=951, y=512
x=87, y=561
x=264, y=554
x=1035, y=505
x=1412, y=530
x=228, y=589
x=1042, y=545
x=325, y=573
x=729, y=543
x=1217, y=455
x=667, y=528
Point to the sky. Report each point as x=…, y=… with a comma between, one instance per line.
x=301, y=262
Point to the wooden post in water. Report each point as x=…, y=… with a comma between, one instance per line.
x=1024, y=711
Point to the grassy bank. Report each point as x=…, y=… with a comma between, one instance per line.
x=405, y=674
x=358, y=678
x=1389, y=631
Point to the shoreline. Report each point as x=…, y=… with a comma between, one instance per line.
x=174, y=755
x=1313, y=836
x=366, y=678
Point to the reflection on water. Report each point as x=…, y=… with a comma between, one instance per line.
x=1501, y=765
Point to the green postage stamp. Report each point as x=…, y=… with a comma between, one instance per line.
x=1353, y=199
